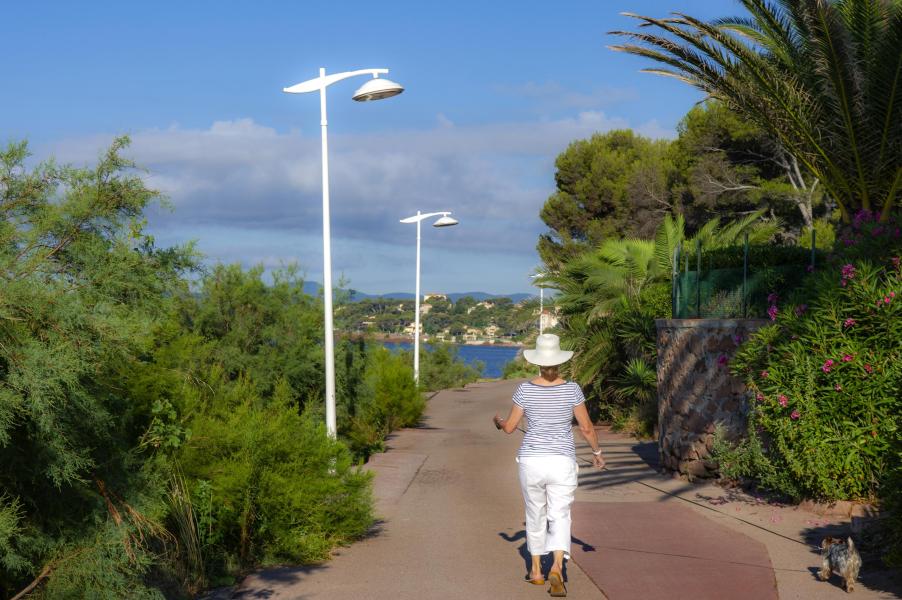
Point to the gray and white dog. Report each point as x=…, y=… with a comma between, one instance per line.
x=841, y=558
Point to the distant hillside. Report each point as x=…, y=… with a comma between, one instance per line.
x=313, y=288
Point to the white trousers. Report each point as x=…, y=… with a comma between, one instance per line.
x=548, y=484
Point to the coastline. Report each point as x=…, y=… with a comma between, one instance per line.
x=398, y=339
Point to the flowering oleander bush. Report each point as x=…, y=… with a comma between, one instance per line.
x=826, y=385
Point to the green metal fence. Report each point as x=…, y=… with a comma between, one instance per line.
x=738, y=281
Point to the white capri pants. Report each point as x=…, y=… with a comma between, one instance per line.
x=548, y=484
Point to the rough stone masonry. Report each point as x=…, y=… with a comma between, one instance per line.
x=697, y=392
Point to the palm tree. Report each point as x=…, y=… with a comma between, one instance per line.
x=824, y=77
x=616, y=276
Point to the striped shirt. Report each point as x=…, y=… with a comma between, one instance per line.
x=549, y=417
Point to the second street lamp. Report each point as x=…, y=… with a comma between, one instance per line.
x=375, y=89
x=444, y=221
x=541, y=300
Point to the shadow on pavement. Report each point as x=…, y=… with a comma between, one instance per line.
x=263, y=584
x=547, y=560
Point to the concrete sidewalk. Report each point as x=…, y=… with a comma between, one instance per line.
x=452, y=527
x=652, y=536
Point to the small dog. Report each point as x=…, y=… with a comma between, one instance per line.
x=841, y=558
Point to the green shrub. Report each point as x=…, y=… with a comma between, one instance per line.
x=826, y=378
x=441, y=368
x=269, y=485
x=519, y=369
x=825, y=235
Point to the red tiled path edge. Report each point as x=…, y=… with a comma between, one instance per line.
x=659, y=550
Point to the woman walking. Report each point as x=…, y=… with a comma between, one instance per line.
x=547, y=456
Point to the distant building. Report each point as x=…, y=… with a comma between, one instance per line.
x=445, y=336
x=491, y=332
x=436, y=296
x=425, y=308
x=410, y=328
x=473, y=334
x=548, y=319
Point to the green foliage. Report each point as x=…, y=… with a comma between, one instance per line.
x=518, y=369
x=279, y=489
x=158, y=432
x=822, y=78
x=828, y=383
x=824, y=235
x=440, y=368
x=608, y=185
x=619, y=185
x=83, y=288
x=387, y=400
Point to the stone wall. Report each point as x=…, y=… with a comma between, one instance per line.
x=696, y=391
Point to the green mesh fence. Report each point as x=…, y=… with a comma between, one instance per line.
x=736, y=282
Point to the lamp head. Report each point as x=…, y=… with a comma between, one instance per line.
x=377, y=89
x=445, y=221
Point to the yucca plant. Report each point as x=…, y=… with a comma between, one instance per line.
x=823, y=77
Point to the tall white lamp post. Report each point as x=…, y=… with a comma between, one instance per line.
x=443, y=221
x=541, y=301
x=375, y=89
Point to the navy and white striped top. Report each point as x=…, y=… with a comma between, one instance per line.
x=549, y=417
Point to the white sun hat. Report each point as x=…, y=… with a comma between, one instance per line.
x=548, y=351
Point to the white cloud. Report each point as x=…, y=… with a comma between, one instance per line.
x=249, y=192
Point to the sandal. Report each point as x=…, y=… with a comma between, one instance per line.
x=557, y=589
x=539, y=581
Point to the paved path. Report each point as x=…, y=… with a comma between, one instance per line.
x=452, y=527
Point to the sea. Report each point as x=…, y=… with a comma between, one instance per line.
x=494, y=357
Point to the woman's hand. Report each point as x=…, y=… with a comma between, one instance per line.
x=498, y=421
x=598, y=461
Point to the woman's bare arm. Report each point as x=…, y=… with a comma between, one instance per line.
x=509, y=424
x=587, y=429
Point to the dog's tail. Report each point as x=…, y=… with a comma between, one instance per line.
x=850, y=543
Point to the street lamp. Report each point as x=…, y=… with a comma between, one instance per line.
x=541, y=299
x=443, y=221
x=375, y=89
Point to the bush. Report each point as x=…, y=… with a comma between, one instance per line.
x=519, y=369
x=269, y=486
x=441, y=368
x=826, y=378
x=387, y=400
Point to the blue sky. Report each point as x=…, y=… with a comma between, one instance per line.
x=495, y=90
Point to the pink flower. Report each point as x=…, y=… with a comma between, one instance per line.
x=800, y=309
x=868, y=368
x=886, y=299
x=783, y=400
x=772, y=313
x=764, y=374
x=837, y=387
x=722, y=360
x=794, y=415
x=848, y=271
x=828, y=365
x=772, y=298
x=847, y=358
x=849, y=322
x=892, y=294
x=759, y=397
